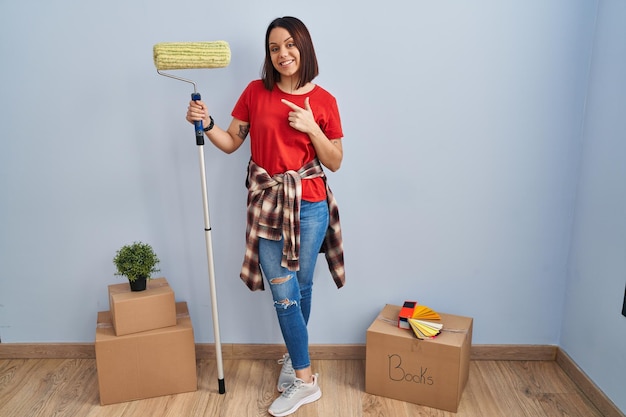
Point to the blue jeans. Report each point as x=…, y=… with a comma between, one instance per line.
x=292, y=290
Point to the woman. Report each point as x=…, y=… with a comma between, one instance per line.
x=294, y=125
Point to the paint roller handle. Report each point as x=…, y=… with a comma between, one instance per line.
x=198, y=124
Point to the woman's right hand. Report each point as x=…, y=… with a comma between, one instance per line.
x=197, y=111
x=227, y=141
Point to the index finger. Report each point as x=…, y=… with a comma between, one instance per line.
x=290, y=104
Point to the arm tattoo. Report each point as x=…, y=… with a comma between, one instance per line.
x=243, y=131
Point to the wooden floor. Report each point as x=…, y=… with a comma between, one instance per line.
x=69, y=387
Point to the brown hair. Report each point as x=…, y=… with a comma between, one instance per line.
x=302, y=39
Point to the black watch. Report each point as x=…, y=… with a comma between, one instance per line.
x=210, y=126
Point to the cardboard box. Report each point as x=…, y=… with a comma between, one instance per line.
x=429, y=372
x=147, y=364
x=139, y=311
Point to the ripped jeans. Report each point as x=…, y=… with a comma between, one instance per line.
x=292, y=290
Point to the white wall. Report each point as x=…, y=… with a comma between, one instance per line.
x=462, y=144
x=594, y=331
x=463, y=126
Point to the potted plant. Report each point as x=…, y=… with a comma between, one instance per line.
x=136, y=262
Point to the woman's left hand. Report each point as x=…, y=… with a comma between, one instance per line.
x=329, y=151
x=302, y=118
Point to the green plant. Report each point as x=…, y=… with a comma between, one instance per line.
x=135, y=261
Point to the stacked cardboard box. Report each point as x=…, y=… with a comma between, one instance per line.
x=144, y=344
x=431, y=372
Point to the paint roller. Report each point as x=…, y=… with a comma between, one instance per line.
x=191, y=55
x=197, y=55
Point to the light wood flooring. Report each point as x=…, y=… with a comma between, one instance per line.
x=69, y=387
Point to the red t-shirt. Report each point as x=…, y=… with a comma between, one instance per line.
x=277, y=147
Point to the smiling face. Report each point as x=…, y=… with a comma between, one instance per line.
x=290, y=60
x=284, y=54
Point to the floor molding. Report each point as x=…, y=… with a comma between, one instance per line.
x=271, y=351
x=336, y=352
x=47, y=351
x=587, y=386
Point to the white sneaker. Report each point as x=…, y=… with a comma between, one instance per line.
x=287, y=373
x=298, y=393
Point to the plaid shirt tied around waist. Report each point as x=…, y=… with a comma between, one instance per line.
x=274, y=212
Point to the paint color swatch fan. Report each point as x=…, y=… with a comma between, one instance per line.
x=423, y=322
x=195, y=55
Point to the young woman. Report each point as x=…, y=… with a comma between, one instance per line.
x=294, y=128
